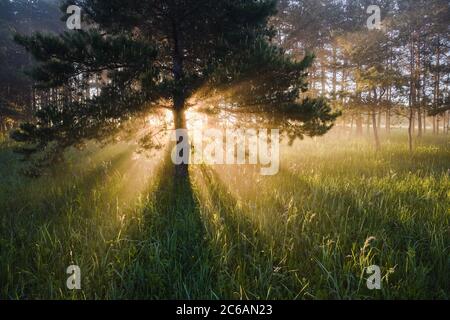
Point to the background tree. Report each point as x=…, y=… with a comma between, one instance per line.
x=417, y=24
x=409, y=54
x=16, y=94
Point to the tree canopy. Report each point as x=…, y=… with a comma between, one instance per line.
x=173, y=54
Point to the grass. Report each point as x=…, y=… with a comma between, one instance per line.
x=335, y=208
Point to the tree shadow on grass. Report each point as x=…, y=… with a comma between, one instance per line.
x=173, y=260
x=185, y=252
x=246, y=263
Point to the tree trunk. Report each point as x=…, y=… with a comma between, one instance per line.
x=388, y=121
x=323, y=75
x=437, y=85
x=179, y=104
x=2, y=126
x=359, y=125
x=379, y=120
x=179, y=116
x=419, y=122
x=437, y=125
x=313, y=92
x=375, y=131
x=448, y=122
x=410, y=129
x=434, y=125
x=335, y=72
x=424, y=122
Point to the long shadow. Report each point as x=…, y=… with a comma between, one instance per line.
x=174, y=260
x=177, y=256
x=235, y=220
x=247, y=262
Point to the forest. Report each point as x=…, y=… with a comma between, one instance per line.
x=135, y=137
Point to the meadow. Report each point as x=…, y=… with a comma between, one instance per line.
x=336, y=207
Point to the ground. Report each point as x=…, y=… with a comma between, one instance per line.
x=335, y=208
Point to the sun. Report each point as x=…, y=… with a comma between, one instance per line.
x=196, y=120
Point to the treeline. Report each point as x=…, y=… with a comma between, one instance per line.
x=397, y=74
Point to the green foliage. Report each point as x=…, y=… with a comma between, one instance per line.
x=160, y=53
x=79, y=53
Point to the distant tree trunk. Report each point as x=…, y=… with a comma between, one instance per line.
x=413, y=83
x=438, y=125
x=434, y=125
x=379, y=121
x=342, y=84
x=412, y=100
x=389, y=95
x=424, y=122
x=448, y=122
x=419, y=122
x=418, y=98
x=388, y=121
x=359, y=125
x=313, y=92
x=437, y=87
x=424, y=102
x=323, y=75
x=335, y=72
x=375, y=131
x=444, y=123
x=2, y=125
x=410, y=129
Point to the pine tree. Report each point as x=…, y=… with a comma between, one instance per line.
x=166, y=53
